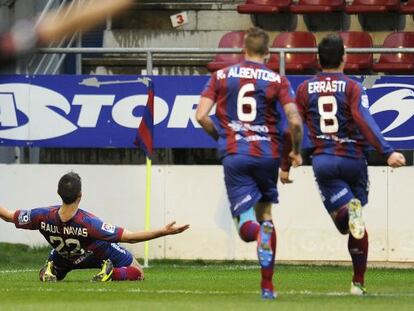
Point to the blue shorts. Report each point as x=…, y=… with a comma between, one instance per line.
x=119, y=256
x=340, y=179
x=250, y=180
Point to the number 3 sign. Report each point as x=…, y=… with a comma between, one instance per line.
x=179, y=19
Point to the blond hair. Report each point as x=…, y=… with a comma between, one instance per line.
x=256, y=41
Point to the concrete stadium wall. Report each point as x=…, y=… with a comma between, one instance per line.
x=196, y=195
x=152, y=28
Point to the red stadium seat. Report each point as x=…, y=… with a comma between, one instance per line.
x=317, y=6
x=373, y=6
x=399, y=63
x=264, y=6
x=295, y=62
x=407, y=8
x=233, y=39
x=357, y=63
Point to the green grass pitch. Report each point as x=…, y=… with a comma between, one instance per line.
x=196, y=285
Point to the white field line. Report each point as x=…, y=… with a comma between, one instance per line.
x=203, y=293
x=17, y=271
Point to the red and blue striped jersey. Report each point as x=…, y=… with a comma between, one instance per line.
x=248, y=120
x=335, y=110
x=83, y=234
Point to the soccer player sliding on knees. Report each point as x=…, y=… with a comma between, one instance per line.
x=249, y=134
x=80, y=240
x=341, y=129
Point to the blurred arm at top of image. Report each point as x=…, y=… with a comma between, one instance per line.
x=26, y=35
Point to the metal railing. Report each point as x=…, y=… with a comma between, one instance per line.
x=149, y=52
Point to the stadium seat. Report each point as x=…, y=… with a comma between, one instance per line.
x=321, y=15
x=264, y=6
x=407, y=8
x=232, y=39
x=373, y=6
x=295, y=62
x=376, y=15
x=317, y=6
x=399, y=63
x=357, y=63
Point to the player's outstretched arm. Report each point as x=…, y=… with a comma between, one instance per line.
x=296, y=132
x=202, y=116
x=140, y=236
x=369, y=128
x=6, y=215
x=80, y=17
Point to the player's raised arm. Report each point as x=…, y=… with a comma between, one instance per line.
x=6, y=215
x=369, y=128
x=296, y=132
x=25, y=36
x=80, y=17
x=140, y=236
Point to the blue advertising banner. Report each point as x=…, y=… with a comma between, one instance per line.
x=105, y=111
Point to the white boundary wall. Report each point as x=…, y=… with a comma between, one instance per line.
x=196, y=195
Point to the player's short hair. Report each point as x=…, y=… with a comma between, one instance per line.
x=70, y=187
x=331, y=51
x=256, y=41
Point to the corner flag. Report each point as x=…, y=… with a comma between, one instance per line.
x=145, y=134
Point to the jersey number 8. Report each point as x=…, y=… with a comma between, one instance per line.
x=246, y=103
x=328, y=107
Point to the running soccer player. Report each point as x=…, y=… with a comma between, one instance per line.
x=80, y=240
x=335, y=110
x=249, y=134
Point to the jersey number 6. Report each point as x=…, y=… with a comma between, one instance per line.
x=328, y=107
x=246, y=105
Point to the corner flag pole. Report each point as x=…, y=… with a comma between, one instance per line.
x=147, y=208
x=145, y=140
